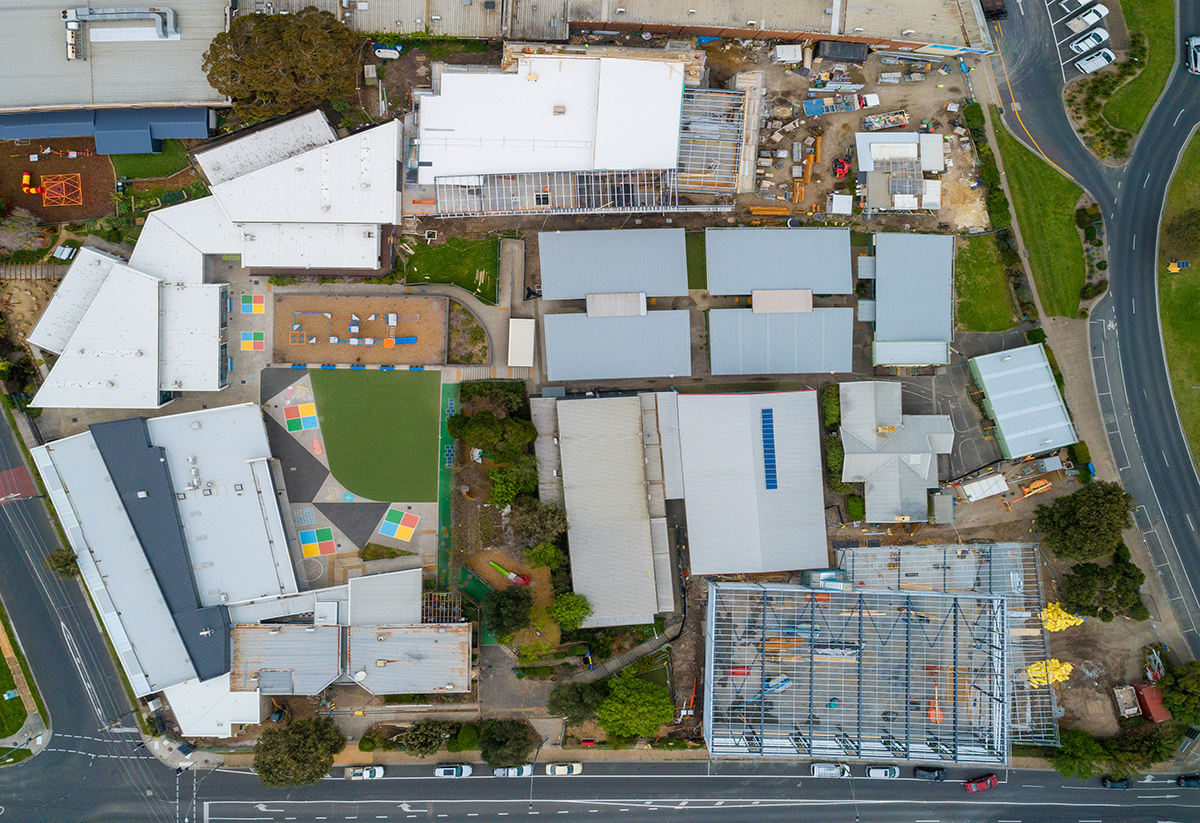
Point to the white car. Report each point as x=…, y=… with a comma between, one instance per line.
x=564, y=769
x=514, y=771
x=387, y=52
x=452, y=770
x=1089, y=41
x=838, y=770
x=1072, y=6
x=1096, y=62
x=1193, y=46
x=883, y=772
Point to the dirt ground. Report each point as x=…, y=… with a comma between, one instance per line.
x=178, y=180
x=430, y=329
x=544, y=630
x=96, y=178
x=27, y=299
x=468, y=341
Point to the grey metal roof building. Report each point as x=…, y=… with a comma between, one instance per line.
x=393, y=598
x=1022, y=397
x=914, y=299
x=790, y=672
x=657, y=344
x=604, y=483
x=742, y=260
x=752, y=478
x=578, y=263
x=285, y=658
x=893, y=454
x=425, y=659
x=742, y=341
x=117, y=131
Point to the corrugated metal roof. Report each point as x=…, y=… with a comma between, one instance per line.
x=932, y=154
x=544, y=411
x=914, y=284
x=868, y=145
x=866, y=311
x=663, y=571
x=302, y=603
x=866, y=267
x=522, y=332
x=189, y=337
x=265, y=147
x=72, y=299
x=578, y=263
x=914, y=353
x=393, y=598
x=742, y=342
x=311, y=245
x=425, y=659
x=604, y=482
x=627, y=304
x=116, y=131
x=668, y=430
x=781, y=301
x=579, y=347
x=740, y=260
x=736, y=524
x=1023, y=397
x=273, y=657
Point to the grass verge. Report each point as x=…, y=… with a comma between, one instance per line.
x=1045, y=205
x=173, y=158
x=984, y=302
x=460, y=263
x=381, y=431
x=1130, y=105
x=1179, y=292
x=12, y=712
x=697, y=265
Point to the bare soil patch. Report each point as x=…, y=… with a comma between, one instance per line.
x=429, y=328
x=95, y=172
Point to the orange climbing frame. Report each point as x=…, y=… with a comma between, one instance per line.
x=62, y=190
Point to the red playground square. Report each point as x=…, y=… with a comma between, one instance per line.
x=291, y=412
x=410, y=520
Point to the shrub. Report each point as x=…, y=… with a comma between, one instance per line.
x=1036, y=335
x=424, y=737
x=545, y=554
x=468, y=737
x=570, y=610
x=1093, y=289
x=506, y=611
x=368, y=743
x=505, y=743
x=62, y=561
x=835, y=456
x=973, y=115
x=831, y=406
x=856, y=508
x=1102, y=265
x=1080, y=454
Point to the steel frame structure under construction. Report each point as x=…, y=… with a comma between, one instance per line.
x=1010, y=570
x=560, y=192
x=799, y=672
x=711, y=130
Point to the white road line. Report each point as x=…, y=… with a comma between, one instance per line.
x=1165, y=460
x=1176, y=123
x=1189, y=520
x=1147, y=181
x=1135, y=241
x=1031, y=786
x=1133, y=303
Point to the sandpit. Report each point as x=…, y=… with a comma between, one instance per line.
x=321, y=317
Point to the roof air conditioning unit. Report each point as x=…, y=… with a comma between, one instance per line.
x=142, y=495
x=751, y=22
x=380, y=663
x=434, y=17
x=909, y=31
x=620, y=11
x=885, y=429
x=559, y=110
x=691, y=11
x=191, y=458
x=224, y=597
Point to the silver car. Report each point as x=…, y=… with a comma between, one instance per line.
x=1193, y=49
x=1089, y=41
x=514, y=771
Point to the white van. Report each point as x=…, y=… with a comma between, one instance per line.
x=1096, y=61
x=830, y=770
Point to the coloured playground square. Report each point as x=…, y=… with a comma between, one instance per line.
x=298, y=418
x=400, y=525
x=254, y=304
x=315, y=542
x=375, y=329
x=253, y=341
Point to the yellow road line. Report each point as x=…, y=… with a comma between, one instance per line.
x=1012, y=99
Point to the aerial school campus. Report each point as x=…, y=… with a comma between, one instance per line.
x=575, y=384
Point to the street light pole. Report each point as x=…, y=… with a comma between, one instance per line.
x=533, y=771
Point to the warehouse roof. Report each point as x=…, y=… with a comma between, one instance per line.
x=657, y=344
x=752, y=476
x=386, y=598
x=741, y=260
x=282, y=658
x=604, y=482
x=746, y=342
x=914, y=292
x=575, y=264
x=424, y=659
x=522, y=334
x=72, y=299
x=1021, y=395
x=265, y=147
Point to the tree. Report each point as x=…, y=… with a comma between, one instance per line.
x=505, y=743
x=424, y=737
x=536, y=522
x=1105, y=591
x=272, y=65
x=1181, y=691
x=544, y=554
x=63, y=562
x=1080, y=755
x=576, y=702
x=570, y=610
x=299, y=754
x=521, y=477
x=499, y=438
x=506, y=611
x=635, y=708
x=1088, y=523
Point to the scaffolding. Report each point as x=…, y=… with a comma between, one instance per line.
x=561, y=192
x=799, y=672
x=442, y=607
x=711, y=130
x=1010, y=570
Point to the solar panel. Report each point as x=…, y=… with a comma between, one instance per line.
x=768, y=439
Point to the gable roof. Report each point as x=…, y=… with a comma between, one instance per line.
x=72, y=299
x=741, y=260
x=656, y=344
x=914, y=285
x=575, y=264
x=265, y=147
x=1021, y=395
x=742, y=341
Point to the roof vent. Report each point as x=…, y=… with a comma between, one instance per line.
x=559, y=110
x=142, y=495
x=273, y=631
x=195, y=425
x=139, y=353
x=360, y=676
x=364, y=185
x=885, y=429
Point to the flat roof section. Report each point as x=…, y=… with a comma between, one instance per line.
x=742, y=260
x=1021, y=396
x=424, y=659
x=575, y=264
x=914, y=288
x=657, y=344
x=742, y=341
x=394, y=597
x=265, y=147
x=285, y=658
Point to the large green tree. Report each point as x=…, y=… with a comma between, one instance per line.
x=424, y=737
x=576, y=702
x=536, y=522
x=1088, y=523
x=506, y=611
x=1080, y=755
x=501, y=438
x=299, y=754
x=1181, y=691
x=271, y=64
x=635, y=707
x=1105, y=591
x=570, y=610
x=505, y=743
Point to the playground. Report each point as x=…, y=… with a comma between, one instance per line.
x=381, y=431
x=80, y=187
x=367, y=330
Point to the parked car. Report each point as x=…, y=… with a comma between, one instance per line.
x=1072, y=6
x=1193, y=45
x=1188, y=781
x=514, y=771
x=385, y=52
x=929, y=773
x=1113, y=783
x=452, y=770
x=1089, y=41
x=979, y=784
x=561, y=769
x=829, y=770
x=885, y=772
x=1096, y=62
x=364, y=772
x=1088, y=19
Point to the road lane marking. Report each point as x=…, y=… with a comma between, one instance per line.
x=1189, y=520
x=1147, y=181
x=1135, y=241
x=1176, y=123
x=1133, y=304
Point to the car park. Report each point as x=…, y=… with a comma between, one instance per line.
x=1088, y=19
x=979, y=784
x=1188, y=781
x=929, y=773
x=1089, y=41
x=1113, y=783
x=452, y=770
x=514, y=771
x=1073, y=6
x=1095, y=62
x=1193, y=47
x=829, y=770
x=564, y=769
x=883, y=772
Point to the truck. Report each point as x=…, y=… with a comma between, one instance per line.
x=839, y=103
x=1088, y=19
x=887, y=120
x=994, y=9
x=364, y=772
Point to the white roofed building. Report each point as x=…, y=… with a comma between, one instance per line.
x=893, y=169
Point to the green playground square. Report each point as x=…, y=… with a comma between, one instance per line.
x=394, y=516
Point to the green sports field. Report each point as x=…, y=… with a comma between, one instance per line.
x=381, y=431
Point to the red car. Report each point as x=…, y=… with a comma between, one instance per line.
x=980, y=783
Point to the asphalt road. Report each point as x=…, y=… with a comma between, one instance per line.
x=1140, y=413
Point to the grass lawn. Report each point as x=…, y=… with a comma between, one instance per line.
x=1179, y=294
x=12, y=712
x=1130, y=105
x=170, y=160
x=1045, y=207
x=984, y=303
x=696, y=261
x=458, y=262
x=381, y=431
